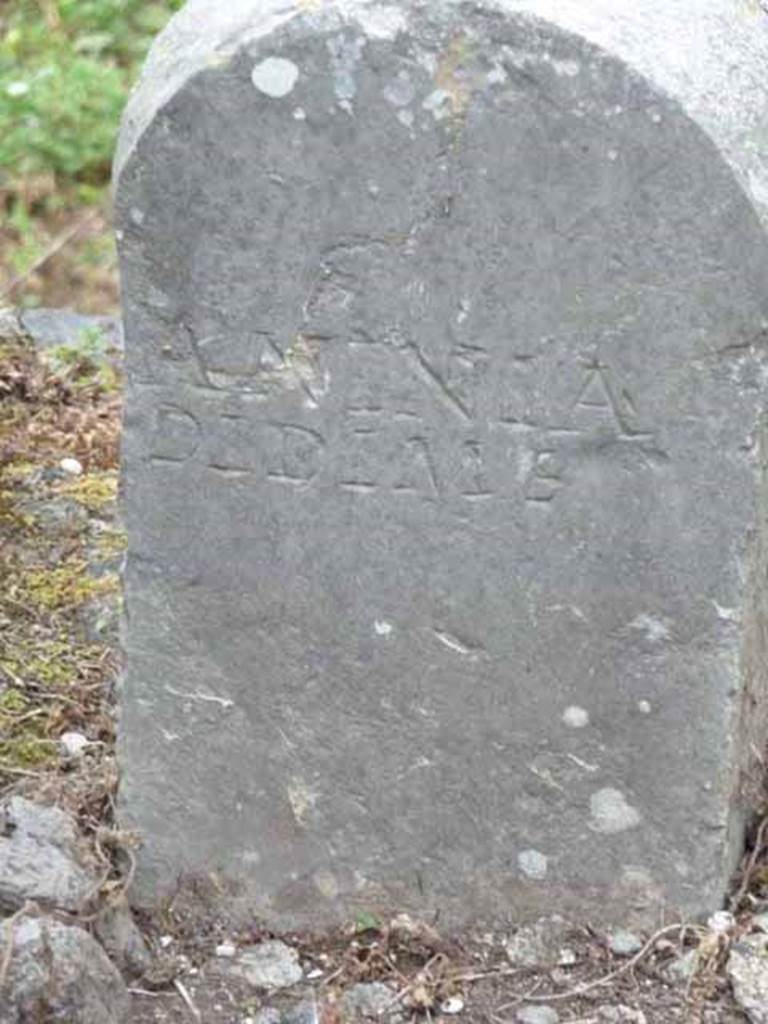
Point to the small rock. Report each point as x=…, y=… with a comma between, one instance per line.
x=227, y=950
x=266, y=1015
x=452, y=1006
x=302, y=1013
x=166, y=941
x=624, y=943
x=566, y=958
x=367, y=1000
x=682, y=967
x=40, y=859
x=72, y=467
x=721, y=922
x=538, y=944
x=269, y=965
x=118, y=933
x=620, y=1015
x=73, y=744
x=59, y=973
x=747, y=969
x=537, y=1015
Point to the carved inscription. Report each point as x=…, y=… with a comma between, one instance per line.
x=490, y=445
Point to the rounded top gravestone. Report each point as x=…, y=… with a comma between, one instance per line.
x=445, y=330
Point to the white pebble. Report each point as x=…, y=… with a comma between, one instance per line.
x=73, y=743
x=71, y=466
x=226, y=949
x=452, y=1005
x=165, y=941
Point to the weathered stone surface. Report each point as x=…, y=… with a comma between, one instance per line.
x=540, y=944
x=57, y=973
x=369, y=1001
x=537, y=1015
x=121, y=937
x=747, y=969
x=40, y=858
x=446, y=331
x=270, y=965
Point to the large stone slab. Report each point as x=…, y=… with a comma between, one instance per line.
x=446, y=333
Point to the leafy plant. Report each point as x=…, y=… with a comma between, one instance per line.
x=65, y=70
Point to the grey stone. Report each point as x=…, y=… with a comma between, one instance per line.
x=442, y=454
x=73, y=744
x=40, y=860
x=540, y=944
x=270, y=965
x=304, y=1012
x=620, y=1015
x=537, y=1015
x=49, y=328
x=624, y=943
x=121, y=937
x=682, y=967
x=747, y=970
x=267, y=1015
x=368, y=1000
x=58, y=973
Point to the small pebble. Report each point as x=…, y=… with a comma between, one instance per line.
x=452, y=1005
x=624, y=943
x=226, y=949
x=71, y=466
x=537, y=1015
x=73, y=744
x=721, y=922
x=315, y=974
x=165, y=941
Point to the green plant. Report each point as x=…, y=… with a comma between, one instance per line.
x=85, y=362
x=65, y=70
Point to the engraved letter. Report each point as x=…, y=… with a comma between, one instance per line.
x=177, y=435
x=296, y=456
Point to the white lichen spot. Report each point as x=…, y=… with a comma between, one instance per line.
x=439, y=104
x=567, y=68
x=382, y=628
x=405, y=117
x=575, y=717
x=373, y=189
x=345, y=53
x=656, y=117
x=644, y=707
x=533, y=865
x=137, y=216
x=400, y=91
x=613, y=155
x=654, y=629
x=497, y=75
x=611, y=813
x=301, y=800
x=326, y=884
x=275, y=76
x=300, y=114
x=382, y=22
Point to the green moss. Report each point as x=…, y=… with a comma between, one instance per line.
x=66, y=587
x=93, y=490
x=110, y=545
